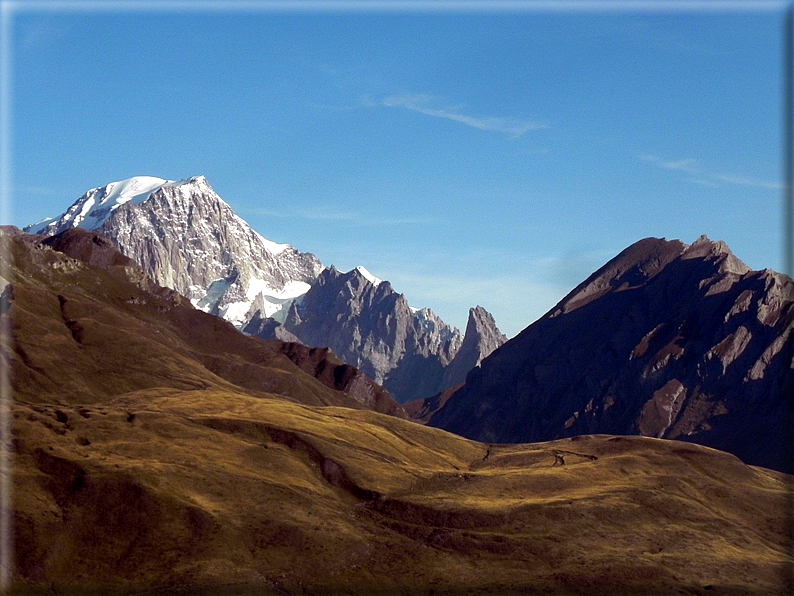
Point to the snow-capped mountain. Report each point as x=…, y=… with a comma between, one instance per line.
x=187, y=238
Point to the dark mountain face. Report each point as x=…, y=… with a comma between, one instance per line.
x=86, y=324
x=93, y=249
x=666, y=340
x=412, y=353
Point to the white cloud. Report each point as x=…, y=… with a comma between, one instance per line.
x=685, y=165
x=742, y=181
x=705, y=178
x=702, y=182
x=424, y=104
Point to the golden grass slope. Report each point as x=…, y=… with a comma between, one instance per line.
x=211, y=491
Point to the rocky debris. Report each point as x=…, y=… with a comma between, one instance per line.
x=666, y=340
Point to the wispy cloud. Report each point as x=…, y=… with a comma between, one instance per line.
x=705, y=177
x=684, y=165
x=428, y=105
x=742, y=181
x=702, y=182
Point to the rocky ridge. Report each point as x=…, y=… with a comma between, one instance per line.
x=411, y=352
x=666, y=340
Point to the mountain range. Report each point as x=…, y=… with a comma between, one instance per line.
x=157, y=450
x=411, y=352
x=89, y=324
x=187, y=238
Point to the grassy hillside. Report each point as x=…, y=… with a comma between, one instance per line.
x=217, y=490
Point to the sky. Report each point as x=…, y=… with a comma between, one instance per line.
x=467, y=156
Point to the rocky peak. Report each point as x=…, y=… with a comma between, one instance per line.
x=633, y=266
x=372, y=327
x=481, y=339
x=715, y=252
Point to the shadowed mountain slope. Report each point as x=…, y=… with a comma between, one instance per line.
x=666, y=340
x=85, y=332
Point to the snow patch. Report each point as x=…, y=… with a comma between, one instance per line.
x=273, y=247
x=368, y=276
x=292, y=289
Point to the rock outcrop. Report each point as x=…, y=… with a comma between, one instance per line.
x=481, y=339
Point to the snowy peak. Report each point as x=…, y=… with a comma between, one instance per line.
x=92, y=209
x=187, y=238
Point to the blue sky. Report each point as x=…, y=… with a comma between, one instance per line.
x=492, y=158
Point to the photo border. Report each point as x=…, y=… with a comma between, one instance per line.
x=10, y=8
